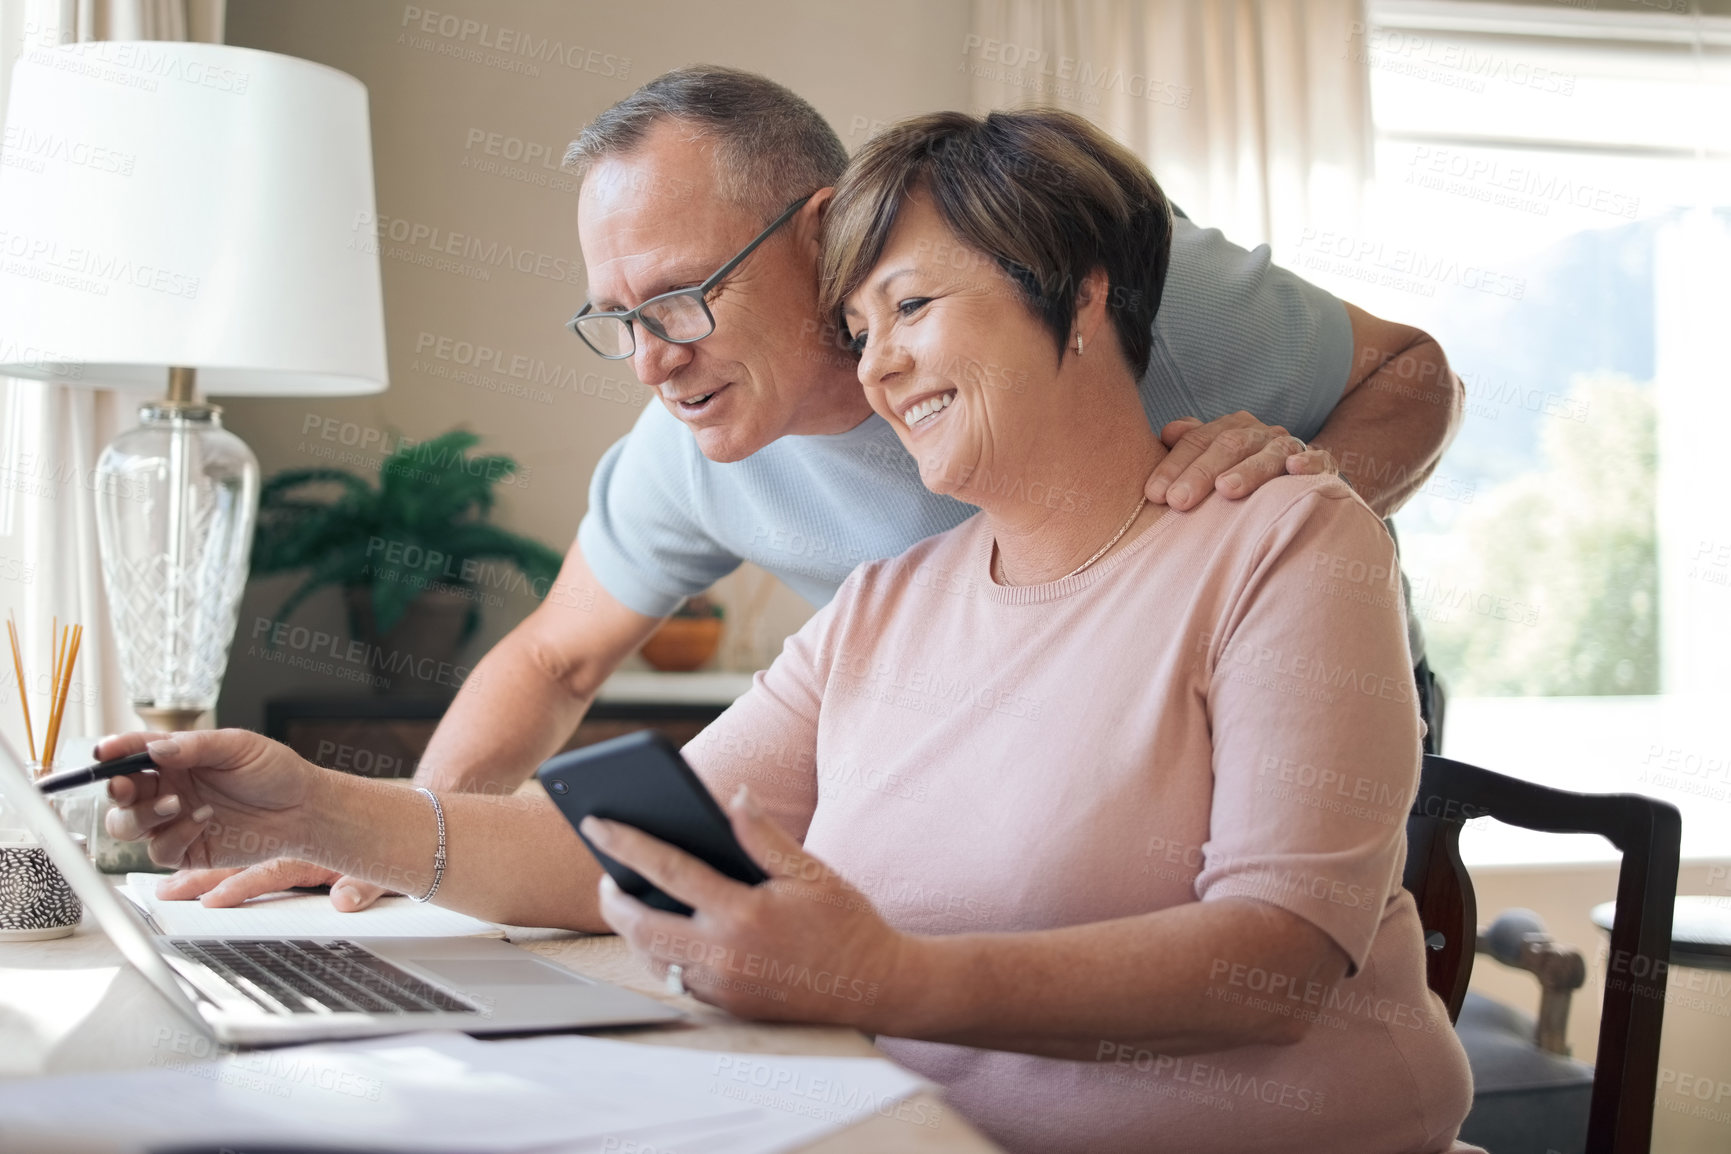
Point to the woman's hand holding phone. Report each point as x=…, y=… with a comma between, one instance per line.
x=803, y=946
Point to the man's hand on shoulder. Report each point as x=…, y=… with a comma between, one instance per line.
x=1234, y=455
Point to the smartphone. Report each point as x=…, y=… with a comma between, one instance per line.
x=641, y=780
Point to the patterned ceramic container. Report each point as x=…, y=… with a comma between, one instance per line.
x=36, y=900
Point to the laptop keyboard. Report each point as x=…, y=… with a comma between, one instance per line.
x=307, y=977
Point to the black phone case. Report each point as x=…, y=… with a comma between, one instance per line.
x=641, y=780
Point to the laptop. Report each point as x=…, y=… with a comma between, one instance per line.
x=273, y=991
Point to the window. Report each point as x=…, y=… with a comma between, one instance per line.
x=1552, y=202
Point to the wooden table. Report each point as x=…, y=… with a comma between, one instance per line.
x=72, y=1006
x=1700, y=931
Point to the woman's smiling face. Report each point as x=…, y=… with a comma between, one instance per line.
x=952, y=357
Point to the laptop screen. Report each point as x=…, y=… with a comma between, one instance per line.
x=23, y=806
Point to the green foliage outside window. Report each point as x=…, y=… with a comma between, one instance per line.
x=1550, y=582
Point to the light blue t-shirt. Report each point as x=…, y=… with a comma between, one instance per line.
x=664, y=522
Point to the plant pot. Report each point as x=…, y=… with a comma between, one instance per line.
x=418, y=657
x=683, y=643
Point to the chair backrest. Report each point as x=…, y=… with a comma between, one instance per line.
x=1648, y=832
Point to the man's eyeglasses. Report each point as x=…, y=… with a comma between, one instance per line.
x=679, y=317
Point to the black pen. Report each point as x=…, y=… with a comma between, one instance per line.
x=101, y=771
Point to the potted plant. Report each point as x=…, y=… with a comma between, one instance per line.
x=415, y=555
x=688, y=638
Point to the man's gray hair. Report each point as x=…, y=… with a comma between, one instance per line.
x=770, y=147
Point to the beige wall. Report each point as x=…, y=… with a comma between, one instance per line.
x=438, y=102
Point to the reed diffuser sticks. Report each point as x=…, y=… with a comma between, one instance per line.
x=23, y=688
x=62, y=661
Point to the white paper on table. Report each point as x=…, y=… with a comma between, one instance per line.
x=296, y=915
x=455, y=1094
x=418, y=1092
x=702, y=1136
x=794, y=1100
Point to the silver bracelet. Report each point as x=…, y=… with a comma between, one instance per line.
x=439, y=856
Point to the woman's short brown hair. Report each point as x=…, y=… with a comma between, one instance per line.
x=1045, y=193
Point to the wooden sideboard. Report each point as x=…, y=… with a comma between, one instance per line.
x=384, y=736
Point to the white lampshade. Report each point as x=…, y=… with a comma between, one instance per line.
x=173, y=204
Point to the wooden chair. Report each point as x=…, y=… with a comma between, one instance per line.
x=1648, y=832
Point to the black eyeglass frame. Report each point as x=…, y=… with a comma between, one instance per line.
x=699, y=292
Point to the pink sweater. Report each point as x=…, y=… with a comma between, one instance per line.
x=1223, y=708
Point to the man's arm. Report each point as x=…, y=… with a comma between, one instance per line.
x=527, y=695
x=1399, y=411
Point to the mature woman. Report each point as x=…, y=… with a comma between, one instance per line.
x=1093, y=811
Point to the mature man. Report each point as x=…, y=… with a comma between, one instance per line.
x=699, y=217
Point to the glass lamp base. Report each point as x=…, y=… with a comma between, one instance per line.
x=175, y=504
x=168, y=720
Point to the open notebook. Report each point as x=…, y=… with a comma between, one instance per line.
x=301, y=915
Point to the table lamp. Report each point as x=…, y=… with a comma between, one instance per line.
x=197, y=216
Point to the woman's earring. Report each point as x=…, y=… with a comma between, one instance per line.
x=1078, y=344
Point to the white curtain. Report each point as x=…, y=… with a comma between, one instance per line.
x=51, y=434
x=1253, y=114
